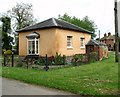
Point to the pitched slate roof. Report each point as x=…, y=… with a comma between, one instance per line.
x=52, y=22
x=95, y=42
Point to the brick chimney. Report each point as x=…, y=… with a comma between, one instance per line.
x=105, y=35
x=109, y=34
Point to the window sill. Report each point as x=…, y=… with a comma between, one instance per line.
x=69, y=48
x=32, y=54
x=82, y=47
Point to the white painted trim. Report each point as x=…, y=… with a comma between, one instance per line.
x=35, y=46
x=32, y=48
x=83, y=42
x=38, y=46
x=69, y=47
x=27, y=47
x=54, y=21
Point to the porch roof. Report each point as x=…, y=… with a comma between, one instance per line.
x=95, y=42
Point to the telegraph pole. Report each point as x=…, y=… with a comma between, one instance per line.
x=99, y=35
x=116, y=32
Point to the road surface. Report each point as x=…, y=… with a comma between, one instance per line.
x=13, y=87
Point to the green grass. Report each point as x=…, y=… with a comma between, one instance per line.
x=99, y=78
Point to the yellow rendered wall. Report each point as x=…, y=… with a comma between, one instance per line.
x=62, y=42
x=46, y=42
x=22, y=43
x=54, y=40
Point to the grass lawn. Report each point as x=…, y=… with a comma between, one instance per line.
x=99, y=78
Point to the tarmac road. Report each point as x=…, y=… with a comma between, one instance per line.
x=13, y=87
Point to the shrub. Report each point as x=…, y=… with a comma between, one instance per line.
x=60, y=60
x=40, y=61
x=51, y=60
x=93, y=56
x=57, y=60
x=8, y=52
x=20, y=64
x=78, y=59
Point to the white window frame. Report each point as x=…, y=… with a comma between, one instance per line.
x=35, y=40
x=82, y=42
x=69, y=42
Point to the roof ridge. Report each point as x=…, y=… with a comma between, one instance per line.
x=54, y=22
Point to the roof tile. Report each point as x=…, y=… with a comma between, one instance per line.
x=52, y=22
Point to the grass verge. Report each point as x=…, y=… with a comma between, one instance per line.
x=99, y=78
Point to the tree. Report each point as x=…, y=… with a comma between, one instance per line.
x=85, y=23
x=22, y=15
x=0, y=39
x=6, y=31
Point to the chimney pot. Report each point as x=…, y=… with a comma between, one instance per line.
x=109, y=34
x=104, y=34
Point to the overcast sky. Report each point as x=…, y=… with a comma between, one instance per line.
x=100, y=11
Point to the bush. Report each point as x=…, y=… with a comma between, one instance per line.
x=40, y=61
x=8, y=52
x=60, y=60
x=20, y=64
x=57, y=60
x=93, y=56
x=78, y=59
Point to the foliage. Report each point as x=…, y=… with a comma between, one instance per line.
x=93, y=56
x=85, y=23
x=40, y=61
x=20, y=64
x=6, y=26
x=22, y=15
x=99, y=78
x=97, y=39
x=59, y=60
x=7, y=40
x=78, y=59
x=7, y=52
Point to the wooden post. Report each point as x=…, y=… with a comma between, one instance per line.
x=116, y=32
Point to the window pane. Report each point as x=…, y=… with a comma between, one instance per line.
x=69, y=41
x=82, y=42
x=31, y=46
x=37, y=46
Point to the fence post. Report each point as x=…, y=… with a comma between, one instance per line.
x=46, y=64
x=27, y=61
